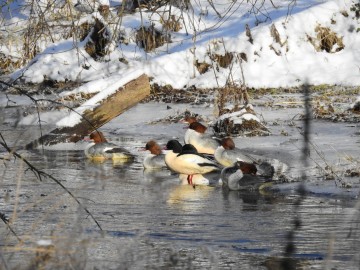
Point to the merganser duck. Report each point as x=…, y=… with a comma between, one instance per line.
x=242, y=176
x=101, y=149
x=189, y=119
x=204, y=143
x=227, y=154
x=186, y=160
x=156, y=159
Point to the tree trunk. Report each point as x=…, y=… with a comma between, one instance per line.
x=123, y=99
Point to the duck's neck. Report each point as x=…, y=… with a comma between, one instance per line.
x=218, y=152
x=88, y=147
x=234, y=180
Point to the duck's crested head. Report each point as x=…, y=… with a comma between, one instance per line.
x=153, y=147
x=228, y=143
x=198, y=127
x=97, y=137
x=190, y=119
x=189, y=149
x=246, y=168
x=174, y=145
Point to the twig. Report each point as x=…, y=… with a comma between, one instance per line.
x=338, y=178
x=6, y=221
x=40, y=174
x=36, y=101
x=213, y=7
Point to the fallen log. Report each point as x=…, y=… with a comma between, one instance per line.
x=123, y=99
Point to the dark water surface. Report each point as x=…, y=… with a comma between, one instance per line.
x=150, y=221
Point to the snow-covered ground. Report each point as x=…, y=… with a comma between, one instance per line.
x=285, y=49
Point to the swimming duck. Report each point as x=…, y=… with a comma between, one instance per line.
x=227, y=154
x=186, y=160
x=101, y=149
x=242, y=176
x=189, y=119
x=156, y=159
x=204, y=143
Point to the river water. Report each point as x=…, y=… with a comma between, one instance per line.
x=150, y=221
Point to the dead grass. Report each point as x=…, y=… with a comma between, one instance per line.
x=230, y=94
x=249, y=128
x=150, y=38
x=223, y=60
x=82, y=31
x=356, y=9
x=274, y=33
x=99, y=39
x=327, y=110
x=202, y=67
x=167, y=94
x=9, y=64
x=178, y=117
x=171, y=24
x=326, y=40
x=80, y=97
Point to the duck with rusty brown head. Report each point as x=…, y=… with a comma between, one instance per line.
x=204, y=143
x=243, y=176
x=100, y=149
x=227, y=154
x=156, y=158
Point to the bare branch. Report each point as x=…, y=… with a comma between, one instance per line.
x=39, y=174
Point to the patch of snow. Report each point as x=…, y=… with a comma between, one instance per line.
x=108, y=88
x=290, y=62
x=47, y=118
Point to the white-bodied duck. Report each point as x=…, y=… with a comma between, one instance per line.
x=155, y=159
x=242, y=176
x=100, y=149
x=204, y=143
x=186, y=160
x=227, y=154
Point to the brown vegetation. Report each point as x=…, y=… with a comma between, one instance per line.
x=99, y=39
x=171, y=24
x=231, y=94
x=150, y=38
x=9, y=64
x=356, y=8
x=166, y=93
x=202, y=67
x=83, y=31
x=239, y=126
x=276, y=36
x=223, y=60
x=326, y=40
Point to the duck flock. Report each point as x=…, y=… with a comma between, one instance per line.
x=200, y=156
